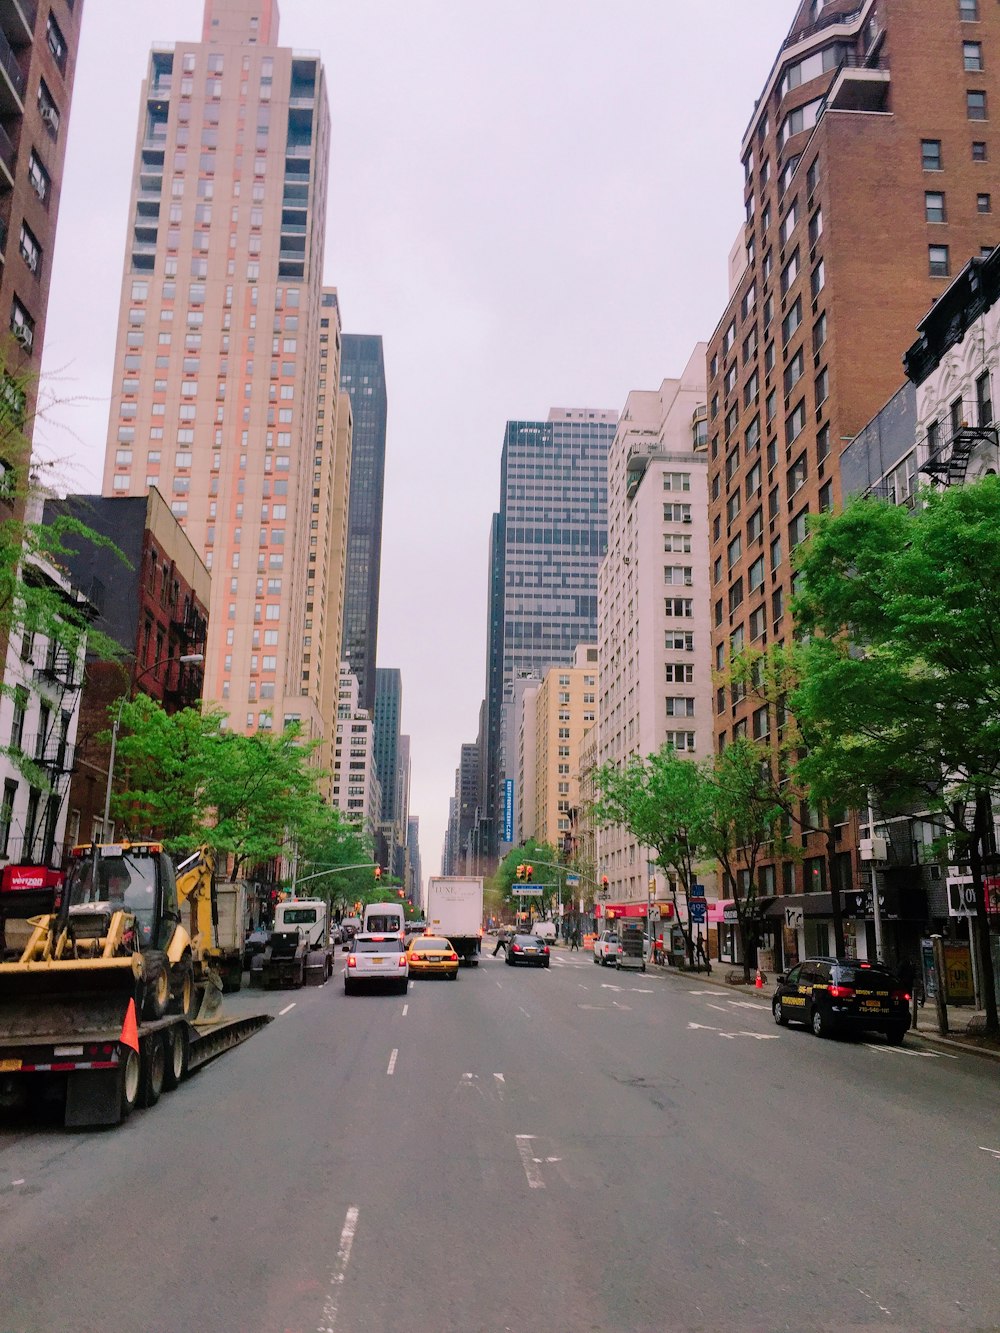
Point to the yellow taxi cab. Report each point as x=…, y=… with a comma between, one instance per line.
x=432, y=956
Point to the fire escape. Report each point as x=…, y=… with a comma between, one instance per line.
x=948, y=465
x=57, y=683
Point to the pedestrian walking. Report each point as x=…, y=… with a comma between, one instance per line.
x=574, y=939
x=502, y=942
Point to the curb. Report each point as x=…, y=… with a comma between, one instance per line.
x=954, y=1044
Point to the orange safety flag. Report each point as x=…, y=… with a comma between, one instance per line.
x=130, y=1032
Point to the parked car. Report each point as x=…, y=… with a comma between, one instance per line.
x=349, y=927
x=833, y=995
x=431, y=955
x=375, y=959
x=527, y=949
x=606, y=948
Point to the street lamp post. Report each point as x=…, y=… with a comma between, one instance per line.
x=183, y=660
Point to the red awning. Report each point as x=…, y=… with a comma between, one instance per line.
x=624, y=909
x=21, y=878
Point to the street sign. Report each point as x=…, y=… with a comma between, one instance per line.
x=528, y=891
x=572, y=881
x=654, y=912
x=961, y=897
x=697, y=910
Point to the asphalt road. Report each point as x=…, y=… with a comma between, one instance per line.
x=524, y=1150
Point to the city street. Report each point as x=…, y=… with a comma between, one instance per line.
x=520, y=1150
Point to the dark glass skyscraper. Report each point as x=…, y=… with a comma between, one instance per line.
x=546, y=544
x=362, y=374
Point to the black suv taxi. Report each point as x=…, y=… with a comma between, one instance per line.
x=843, y=995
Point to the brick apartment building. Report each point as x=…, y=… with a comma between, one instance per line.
x=155, y=607
x=869, y=165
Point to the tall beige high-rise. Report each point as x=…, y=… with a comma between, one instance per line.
x=214, y=400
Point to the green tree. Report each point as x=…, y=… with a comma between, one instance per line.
x=189, y=781
x=771, y=677
x=744, y=820
x=666, y=803
x=334, y=843
x=37, y=601
x=504, y=881
x=901, y=677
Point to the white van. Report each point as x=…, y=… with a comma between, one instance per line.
x=544, y=930
x=384, y=919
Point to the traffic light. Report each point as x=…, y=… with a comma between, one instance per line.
x=378, y=874
x=401, y=893
x=529, y=873
x=520, y=873
x=604, y=883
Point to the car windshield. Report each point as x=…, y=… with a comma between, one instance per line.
x=299, y=916
x=377, y=946
x=529, y=941
x=429, y=945
x=384, y=923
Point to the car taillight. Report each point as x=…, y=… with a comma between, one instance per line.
x=900, y=995
x=841, y=992
x=453, y=957
x=402, y=960
x=546, y=949
x=516, y=948
x=352, y=961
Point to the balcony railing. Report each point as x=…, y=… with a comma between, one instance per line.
x=9, y=62
x=828, y=22
x=8, y=153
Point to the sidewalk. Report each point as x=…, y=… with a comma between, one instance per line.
x=960, y=1018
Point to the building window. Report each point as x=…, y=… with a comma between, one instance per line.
x=983, y=203
x=934, y=206
x=822, y=387
x=57, y=43
x=984, y=400
x=979, y=153
x=791, y=321
x=795, y=422
x=975, y=103
x=968, y=11
x=7, y=814
x=938, y=263
x=930, y=154
x=972, y=56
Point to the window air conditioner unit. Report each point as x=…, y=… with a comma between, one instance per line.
x=50, y=116
x=686, y=518
x=31, y=259
x=23, y=335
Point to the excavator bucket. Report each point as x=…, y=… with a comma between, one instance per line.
x=75, y=997
x=211, y=997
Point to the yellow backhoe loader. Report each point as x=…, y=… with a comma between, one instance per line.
x=121, y=977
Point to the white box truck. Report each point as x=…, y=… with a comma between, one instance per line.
x=455, y=910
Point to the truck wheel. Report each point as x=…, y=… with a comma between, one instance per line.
x=156, y=995
x=176, y=1056
x=186, y=1002
x=129, y=1082
x=154, y=1061
x=257, y=970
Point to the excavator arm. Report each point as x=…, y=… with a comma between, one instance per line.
x=194, y=890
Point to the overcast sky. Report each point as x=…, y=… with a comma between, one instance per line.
x=532, y=202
